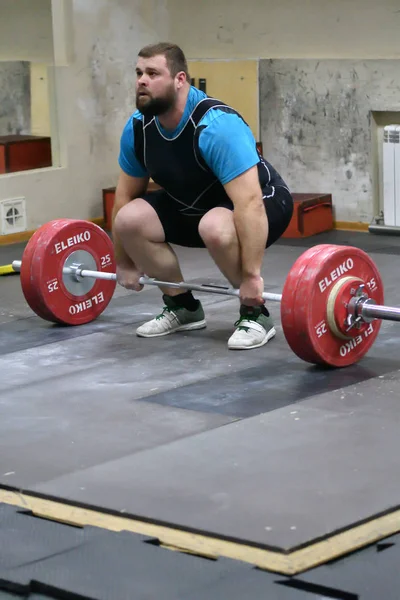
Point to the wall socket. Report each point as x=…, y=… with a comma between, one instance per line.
x=12, y=216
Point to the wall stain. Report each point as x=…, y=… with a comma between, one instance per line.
x=15, y=98
x=225, y=35
x=316, y=118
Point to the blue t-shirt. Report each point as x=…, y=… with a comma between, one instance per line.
x=226, y=143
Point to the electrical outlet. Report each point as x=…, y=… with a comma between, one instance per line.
x=12, y=216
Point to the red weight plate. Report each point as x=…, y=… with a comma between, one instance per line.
x=313, y=291
x=288, y=304
x=54, y=247
x=29, y=289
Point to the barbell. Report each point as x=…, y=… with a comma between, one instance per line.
x=331, y=303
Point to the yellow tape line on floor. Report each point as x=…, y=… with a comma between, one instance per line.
x=287, y=564
x=7, y=270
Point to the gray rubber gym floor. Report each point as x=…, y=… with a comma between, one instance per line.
x=256, y=448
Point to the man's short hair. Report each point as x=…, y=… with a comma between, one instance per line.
x=174, y=56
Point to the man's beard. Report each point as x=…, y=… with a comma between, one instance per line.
x=151, y=107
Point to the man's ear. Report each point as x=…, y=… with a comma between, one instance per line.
x=181, y=78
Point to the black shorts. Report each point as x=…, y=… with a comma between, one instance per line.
x=182, y=230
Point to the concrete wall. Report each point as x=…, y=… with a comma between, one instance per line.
x=25, y=30
x=15, y=106
x=92, y=95
x=40, y=100
x=318, y=126
x=287, y=29
x=316, y=121
x=87, y=48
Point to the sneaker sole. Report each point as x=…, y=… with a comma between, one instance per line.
x=271, y=333
x=187, y=327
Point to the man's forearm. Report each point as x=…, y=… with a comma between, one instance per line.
x=120, y=200
x=252, y=228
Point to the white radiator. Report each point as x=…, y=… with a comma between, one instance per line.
x=391, y=175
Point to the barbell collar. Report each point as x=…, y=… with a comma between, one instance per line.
x=16, y=265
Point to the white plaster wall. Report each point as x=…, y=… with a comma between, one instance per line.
x=25, y=30
x=94, y=95
x=286, y=29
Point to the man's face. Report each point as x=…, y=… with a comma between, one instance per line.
x=155, y=88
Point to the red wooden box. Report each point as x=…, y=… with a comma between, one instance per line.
x=24, y=152
x=312, y=214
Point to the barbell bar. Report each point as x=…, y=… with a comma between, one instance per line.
x=78, y=271
x=364, y=308
x=332, y=302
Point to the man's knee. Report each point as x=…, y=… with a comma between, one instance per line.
x=217, y=228
x=138, y=218
x=129, y=218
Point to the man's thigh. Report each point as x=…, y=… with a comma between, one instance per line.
x=278, y=204
x=179, y=229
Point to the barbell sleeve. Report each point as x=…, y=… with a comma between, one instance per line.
x=376, y=311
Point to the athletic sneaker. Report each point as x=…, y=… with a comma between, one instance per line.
x=173, y=318
x=253, y=329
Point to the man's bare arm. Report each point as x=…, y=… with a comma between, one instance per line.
x=250, y=220
x=128, y=188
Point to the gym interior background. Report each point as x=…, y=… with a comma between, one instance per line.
x=268, y=477
x=317, y=81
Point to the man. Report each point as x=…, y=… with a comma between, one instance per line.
x=217, y=192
